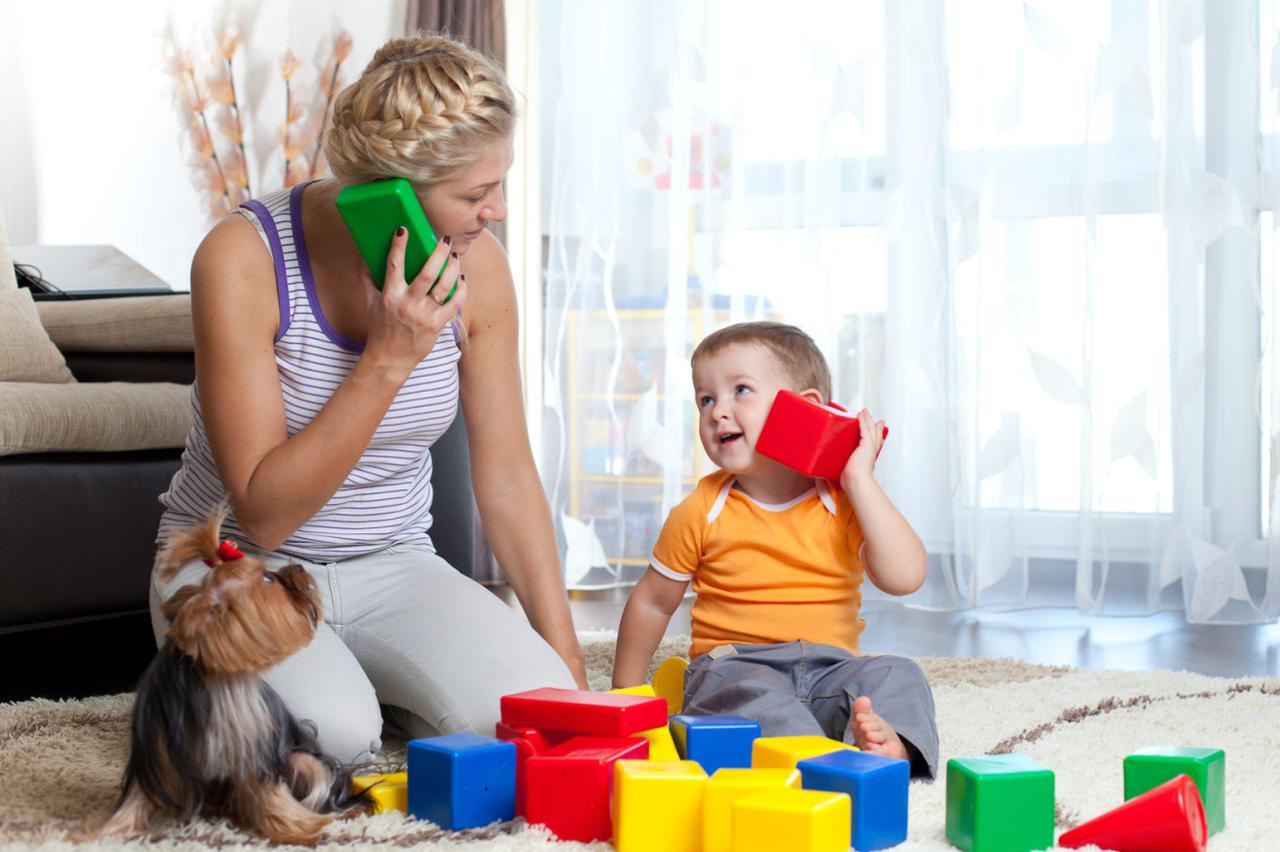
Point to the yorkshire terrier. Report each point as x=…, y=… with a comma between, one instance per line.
x=209, y=735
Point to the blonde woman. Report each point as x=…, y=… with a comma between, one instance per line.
x=318, y=397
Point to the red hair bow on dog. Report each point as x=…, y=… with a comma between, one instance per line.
x=227, y=552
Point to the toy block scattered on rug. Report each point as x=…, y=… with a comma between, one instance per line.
x=1166, y=818
x=794, y=820
x=715, y=742
x=657, y=805
x=668, y=683
x=724, y=788
x=601, y=714
x=1207, y=767
x=877, y=786
x=786, y=752
x=1001, y=802
x=462, y=780
x=568, y=786
x=388, y=791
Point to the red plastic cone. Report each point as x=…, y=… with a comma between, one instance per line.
x=1168, y=818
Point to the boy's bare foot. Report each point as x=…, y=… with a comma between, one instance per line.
x=873, y=734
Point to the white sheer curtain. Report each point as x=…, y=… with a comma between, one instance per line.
x=1033, y=240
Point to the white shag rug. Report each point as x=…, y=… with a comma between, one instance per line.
x=61, y=761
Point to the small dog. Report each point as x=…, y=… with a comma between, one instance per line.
x=208, y=734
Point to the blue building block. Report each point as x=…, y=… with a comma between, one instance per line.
x=462, y=780
x=715, y=742
x=878, y=787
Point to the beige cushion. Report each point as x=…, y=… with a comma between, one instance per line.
x=26, y=352
x=127, y=324
x=8, y=281
x=93, y=416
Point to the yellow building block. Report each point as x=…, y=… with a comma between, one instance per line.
x=786, y=752
x=661, y=745
x=389, y=791
x=795, y=820
x=643, y=689
x=726, y=787
x=657, y=805
x=668, y=682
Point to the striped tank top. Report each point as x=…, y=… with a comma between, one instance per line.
x=386, y=499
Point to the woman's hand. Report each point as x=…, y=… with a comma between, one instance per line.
x=406, y=318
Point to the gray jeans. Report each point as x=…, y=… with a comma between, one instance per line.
x=402, y=628
x=803, y=689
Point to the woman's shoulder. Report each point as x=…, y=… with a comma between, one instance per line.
x=233, y=266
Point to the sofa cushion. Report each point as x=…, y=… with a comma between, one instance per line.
x=103, y=416
x=126, y=324
x=26, y=352
x=8, y=281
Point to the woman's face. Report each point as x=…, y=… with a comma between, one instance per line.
x=462, y=206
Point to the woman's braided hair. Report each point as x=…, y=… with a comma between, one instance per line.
x=423, y=109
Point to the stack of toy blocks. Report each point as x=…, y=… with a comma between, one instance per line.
x=877, y=789
x=566, y=785
x=462, y=780
x=1003, y=802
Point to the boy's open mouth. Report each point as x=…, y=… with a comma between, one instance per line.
x=729, y=437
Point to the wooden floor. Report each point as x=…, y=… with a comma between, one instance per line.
x=1044, y=635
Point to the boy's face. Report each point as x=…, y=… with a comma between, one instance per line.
x=734, y=390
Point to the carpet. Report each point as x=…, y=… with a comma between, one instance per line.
x=61, y=761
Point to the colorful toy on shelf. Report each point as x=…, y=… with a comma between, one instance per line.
x=1001, y=802
x=1166, y=818
x=786, y=752
x=602, y=714
x=389, y=791
x=876, y=785
x=657, y=805
x=462, y=780
x=795, y=820
x=1207, y=767
x=728, y=786
x=668, y=683
x=715, y=742
x=816, y=440
x=568, y=786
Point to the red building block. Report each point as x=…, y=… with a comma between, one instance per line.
x=1168, y=818
x=601, y=714
x=567, y=788
x=528, y=741
x=816, y=440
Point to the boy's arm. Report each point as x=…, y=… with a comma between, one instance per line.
x=892, y=554
x=644, y=620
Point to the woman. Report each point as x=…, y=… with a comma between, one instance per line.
x=318, y=397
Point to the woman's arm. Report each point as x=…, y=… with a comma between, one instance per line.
x=892, y=553
x=275, y=483
x=508, y=491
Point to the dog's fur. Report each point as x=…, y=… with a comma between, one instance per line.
x=209, y=736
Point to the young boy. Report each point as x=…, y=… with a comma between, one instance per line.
x=777, y=561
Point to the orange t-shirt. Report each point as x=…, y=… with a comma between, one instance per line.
x=765, y=573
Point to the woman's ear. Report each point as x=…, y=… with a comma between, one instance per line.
x=813, y=395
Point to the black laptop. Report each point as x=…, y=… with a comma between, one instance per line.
x=83, y=272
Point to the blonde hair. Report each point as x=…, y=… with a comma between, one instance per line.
x=798, y=355
x=423, y=109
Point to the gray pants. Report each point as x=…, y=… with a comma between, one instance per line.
x=803, y=689
x=402, y=628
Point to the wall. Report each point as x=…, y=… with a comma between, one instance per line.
x=92, y=148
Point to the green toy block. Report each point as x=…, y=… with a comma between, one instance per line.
x=1000, y=803
x=1151, y=767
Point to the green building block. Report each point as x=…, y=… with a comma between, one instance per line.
x=1001, y=803
x=1206, y=766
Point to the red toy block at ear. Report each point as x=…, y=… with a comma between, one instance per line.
x=1168, y=818
x=816, y=440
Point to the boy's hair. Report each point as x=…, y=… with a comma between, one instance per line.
x=795, y=350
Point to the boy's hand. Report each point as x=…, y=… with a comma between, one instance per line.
x=861, y=465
